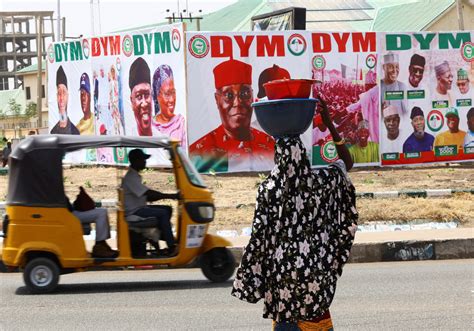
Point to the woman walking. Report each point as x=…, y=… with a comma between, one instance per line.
x=302, y=233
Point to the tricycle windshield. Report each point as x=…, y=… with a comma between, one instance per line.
x=190, y=170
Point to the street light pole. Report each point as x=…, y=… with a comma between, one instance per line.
x=460, y=15
x=59, y=21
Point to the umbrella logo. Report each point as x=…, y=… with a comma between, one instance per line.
x=176, y=39
x=435, y=120
x=296, y=44
x=85, y=48
x=371, y=61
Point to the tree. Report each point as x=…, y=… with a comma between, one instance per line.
x=3, y=114
x=15, y=107
x=31, y=110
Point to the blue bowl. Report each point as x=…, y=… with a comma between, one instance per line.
x=285, y=117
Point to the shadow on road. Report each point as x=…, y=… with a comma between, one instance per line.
x=174, y=285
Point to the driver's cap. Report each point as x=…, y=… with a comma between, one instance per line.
x=137, y=154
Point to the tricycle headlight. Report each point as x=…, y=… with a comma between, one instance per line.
x=206, y=211
x=200, y=212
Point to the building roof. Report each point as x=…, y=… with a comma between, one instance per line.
x=5, y=96
x=335, y=15
x=32, y=68
x=414, y=16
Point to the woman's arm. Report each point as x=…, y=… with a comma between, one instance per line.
x=341, y=148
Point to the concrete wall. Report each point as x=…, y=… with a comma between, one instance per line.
x=449, y=21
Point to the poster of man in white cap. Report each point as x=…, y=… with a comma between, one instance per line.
x=433, y=127
x=392, y=90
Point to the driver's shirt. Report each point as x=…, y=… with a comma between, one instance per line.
x=134, y=191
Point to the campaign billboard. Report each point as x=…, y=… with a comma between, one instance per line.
x=226, y=72
x=344, y=65
x=130, y=83
x=426, y=97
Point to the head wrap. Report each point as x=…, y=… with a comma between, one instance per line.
x=61, y=76
x=139, y=73
x=390, y=58
x=462, y=74
x=269, y=74
x=416, y=111
x=417, y=60
x=161, y=74
x=442, y=68
x=390, y=110
x=302, y=232
x=232, y=72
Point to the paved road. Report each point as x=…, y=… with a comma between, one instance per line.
x=424, y=295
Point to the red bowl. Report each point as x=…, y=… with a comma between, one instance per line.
x=288, y=89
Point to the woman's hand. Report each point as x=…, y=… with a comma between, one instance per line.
x=323, y=110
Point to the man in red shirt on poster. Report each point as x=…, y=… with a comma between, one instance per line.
x=234, y=145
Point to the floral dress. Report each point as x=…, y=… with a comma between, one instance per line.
x=302, y=233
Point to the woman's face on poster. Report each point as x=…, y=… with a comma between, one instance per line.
x=167, y=98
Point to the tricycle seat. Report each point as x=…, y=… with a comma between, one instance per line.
x=141, y=222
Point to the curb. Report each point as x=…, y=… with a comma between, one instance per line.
x=402, y=251
x=434, y=193
x=393, y=251
x=112, y=203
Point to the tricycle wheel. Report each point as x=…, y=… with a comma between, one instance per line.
x=218, y=264
x=41, y=275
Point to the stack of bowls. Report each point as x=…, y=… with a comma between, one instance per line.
x=288, y=111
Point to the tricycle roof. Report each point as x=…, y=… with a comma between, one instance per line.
x=36, y=172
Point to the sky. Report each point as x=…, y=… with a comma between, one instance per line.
x=114, y=14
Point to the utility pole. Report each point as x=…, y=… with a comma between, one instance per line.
x=39, y=82
x=92, y=18
x=460, y=16
x=59, y=21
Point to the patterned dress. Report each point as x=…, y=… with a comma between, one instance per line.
x=302, y=233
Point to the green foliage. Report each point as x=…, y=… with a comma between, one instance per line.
x=3, y=114
x=15, y=107
x=261, y=178
x=170, y=180
x=368, y=181
x=31, y=110
x=213, y=174
x=88, y=184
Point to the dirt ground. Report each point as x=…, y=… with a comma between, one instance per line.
x=235, y=194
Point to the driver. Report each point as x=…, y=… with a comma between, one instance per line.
x=136, y=195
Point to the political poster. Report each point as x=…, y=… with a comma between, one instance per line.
x=130, y=83
x=427, y=97
x=344, y=64
x=225, y=74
